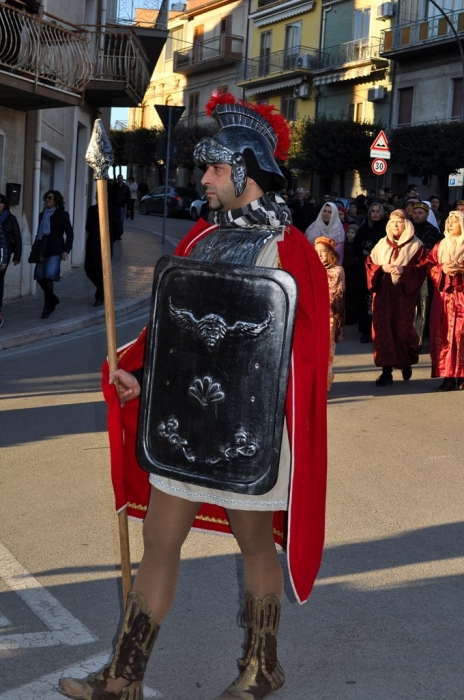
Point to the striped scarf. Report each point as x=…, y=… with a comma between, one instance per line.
x=269, y=210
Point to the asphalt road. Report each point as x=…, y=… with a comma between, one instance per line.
x=385, y=620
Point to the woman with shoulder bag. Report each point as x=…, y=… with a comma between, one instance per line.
x=10, y=243
x=55, y=225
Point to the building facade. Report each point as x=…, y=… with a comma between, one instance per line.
x=282, y=51
x=206, y=40
x=59, y=70
x=423, y=45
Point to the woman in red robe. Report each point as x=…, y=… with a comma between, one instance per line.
x=446, y=270
x=395, y=272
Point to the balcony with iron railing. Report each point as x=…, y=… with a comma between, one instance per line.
x=351, y=60
x=299, y=60
x=205, y=55
x=44, y=61
x=428, y=36
x=120, y=72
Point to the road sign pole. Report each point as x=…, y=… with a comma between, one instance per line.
x=166, y=178
x=169, y=115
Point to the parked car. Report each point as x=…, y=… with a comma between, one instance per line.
x=178, y=203
x=196, y=206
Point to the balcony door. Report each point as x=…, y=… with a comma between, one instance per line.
x=264, y=52
x=361, y=26
x=198, y=39
x=292, y=44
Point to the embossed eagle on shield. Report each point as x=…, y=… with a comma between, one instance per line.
x=211, y=329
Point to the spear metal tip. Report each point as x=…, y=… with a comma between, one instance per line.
x=99, y=153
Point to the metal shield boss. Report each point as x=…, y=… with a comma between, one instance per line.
x=216, y=373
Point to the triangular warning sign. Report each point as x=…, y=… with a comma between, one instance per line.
x=380, y=142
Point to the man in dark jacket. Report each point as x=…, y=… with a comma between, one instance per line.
x=119, y=197
x=303, y=212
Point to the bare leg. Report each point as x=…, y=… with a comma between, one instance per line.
x=260, y=672
x=165, y=530
x=261, y=565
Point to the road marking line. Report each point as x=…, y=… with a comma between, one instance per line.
x=64, y=627
x=45, y=688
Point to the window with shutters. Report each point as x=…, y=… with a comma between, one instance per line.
x=456, y=103
x=356, y=111
x=405, y=100
x=288, y=107
x=194, y=102
x=226, y=23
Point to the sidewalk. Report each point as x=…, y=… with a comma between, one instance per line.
x=134, y=258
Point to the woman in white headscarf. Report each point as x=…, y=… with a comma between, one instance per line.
x=446, y=270
x=328, y=224
x=395, y=272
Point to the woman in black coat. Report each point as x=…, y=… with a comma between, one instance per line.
x=367, y=236
x=55, y=225
x=10, y=244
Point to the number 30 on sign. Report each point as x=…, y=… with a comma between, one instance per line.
x=379, y=166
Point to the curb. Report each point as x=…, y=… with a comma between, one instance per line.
x=66, y=327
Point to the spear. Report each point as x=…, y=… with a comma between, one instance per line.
x=99, y=157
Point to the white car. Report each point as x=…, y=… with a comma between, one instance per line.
x=196, y=206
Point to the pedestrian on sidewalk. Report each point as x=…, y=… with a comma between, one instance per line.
x=132, y=185
x=93, y=264
x=252, y=230
x=10, y=244
x=55, y=225
x=119, y=197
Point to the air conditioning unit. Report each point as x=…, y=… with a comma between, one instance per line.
x=302, y=91
x=305, y=61
x=178, y=7
x=385, y=11
x=376, y=94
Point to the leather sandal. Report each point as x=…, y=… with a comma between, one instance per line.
x=260, y=671
x=135, y=642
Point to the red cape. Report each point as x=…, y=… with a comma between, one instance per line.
x=300, y=530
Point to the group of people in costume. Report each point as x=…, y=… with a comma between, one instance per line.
x=210, y=467
x=413, y=275
x=245, y=306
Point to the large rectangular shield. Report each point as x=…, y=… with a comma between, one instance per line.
x=216, y=372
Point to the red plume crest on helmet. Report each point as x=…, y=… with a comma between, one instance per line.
x=270, y=113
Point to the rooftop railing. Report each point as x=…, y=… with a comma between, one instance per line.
x=223, y=46
x=427, y=31
x=349, y=52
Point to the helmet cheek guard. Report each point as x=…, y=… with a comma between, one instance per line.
x=239, y=173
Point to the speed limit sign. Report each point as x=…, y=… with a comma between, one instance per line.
x=379, y=166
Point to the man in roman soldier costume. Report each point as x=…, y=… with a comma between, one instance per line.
x=228, y=415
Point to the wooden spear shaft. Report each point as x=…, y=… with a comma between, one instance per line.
x=99, y=157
